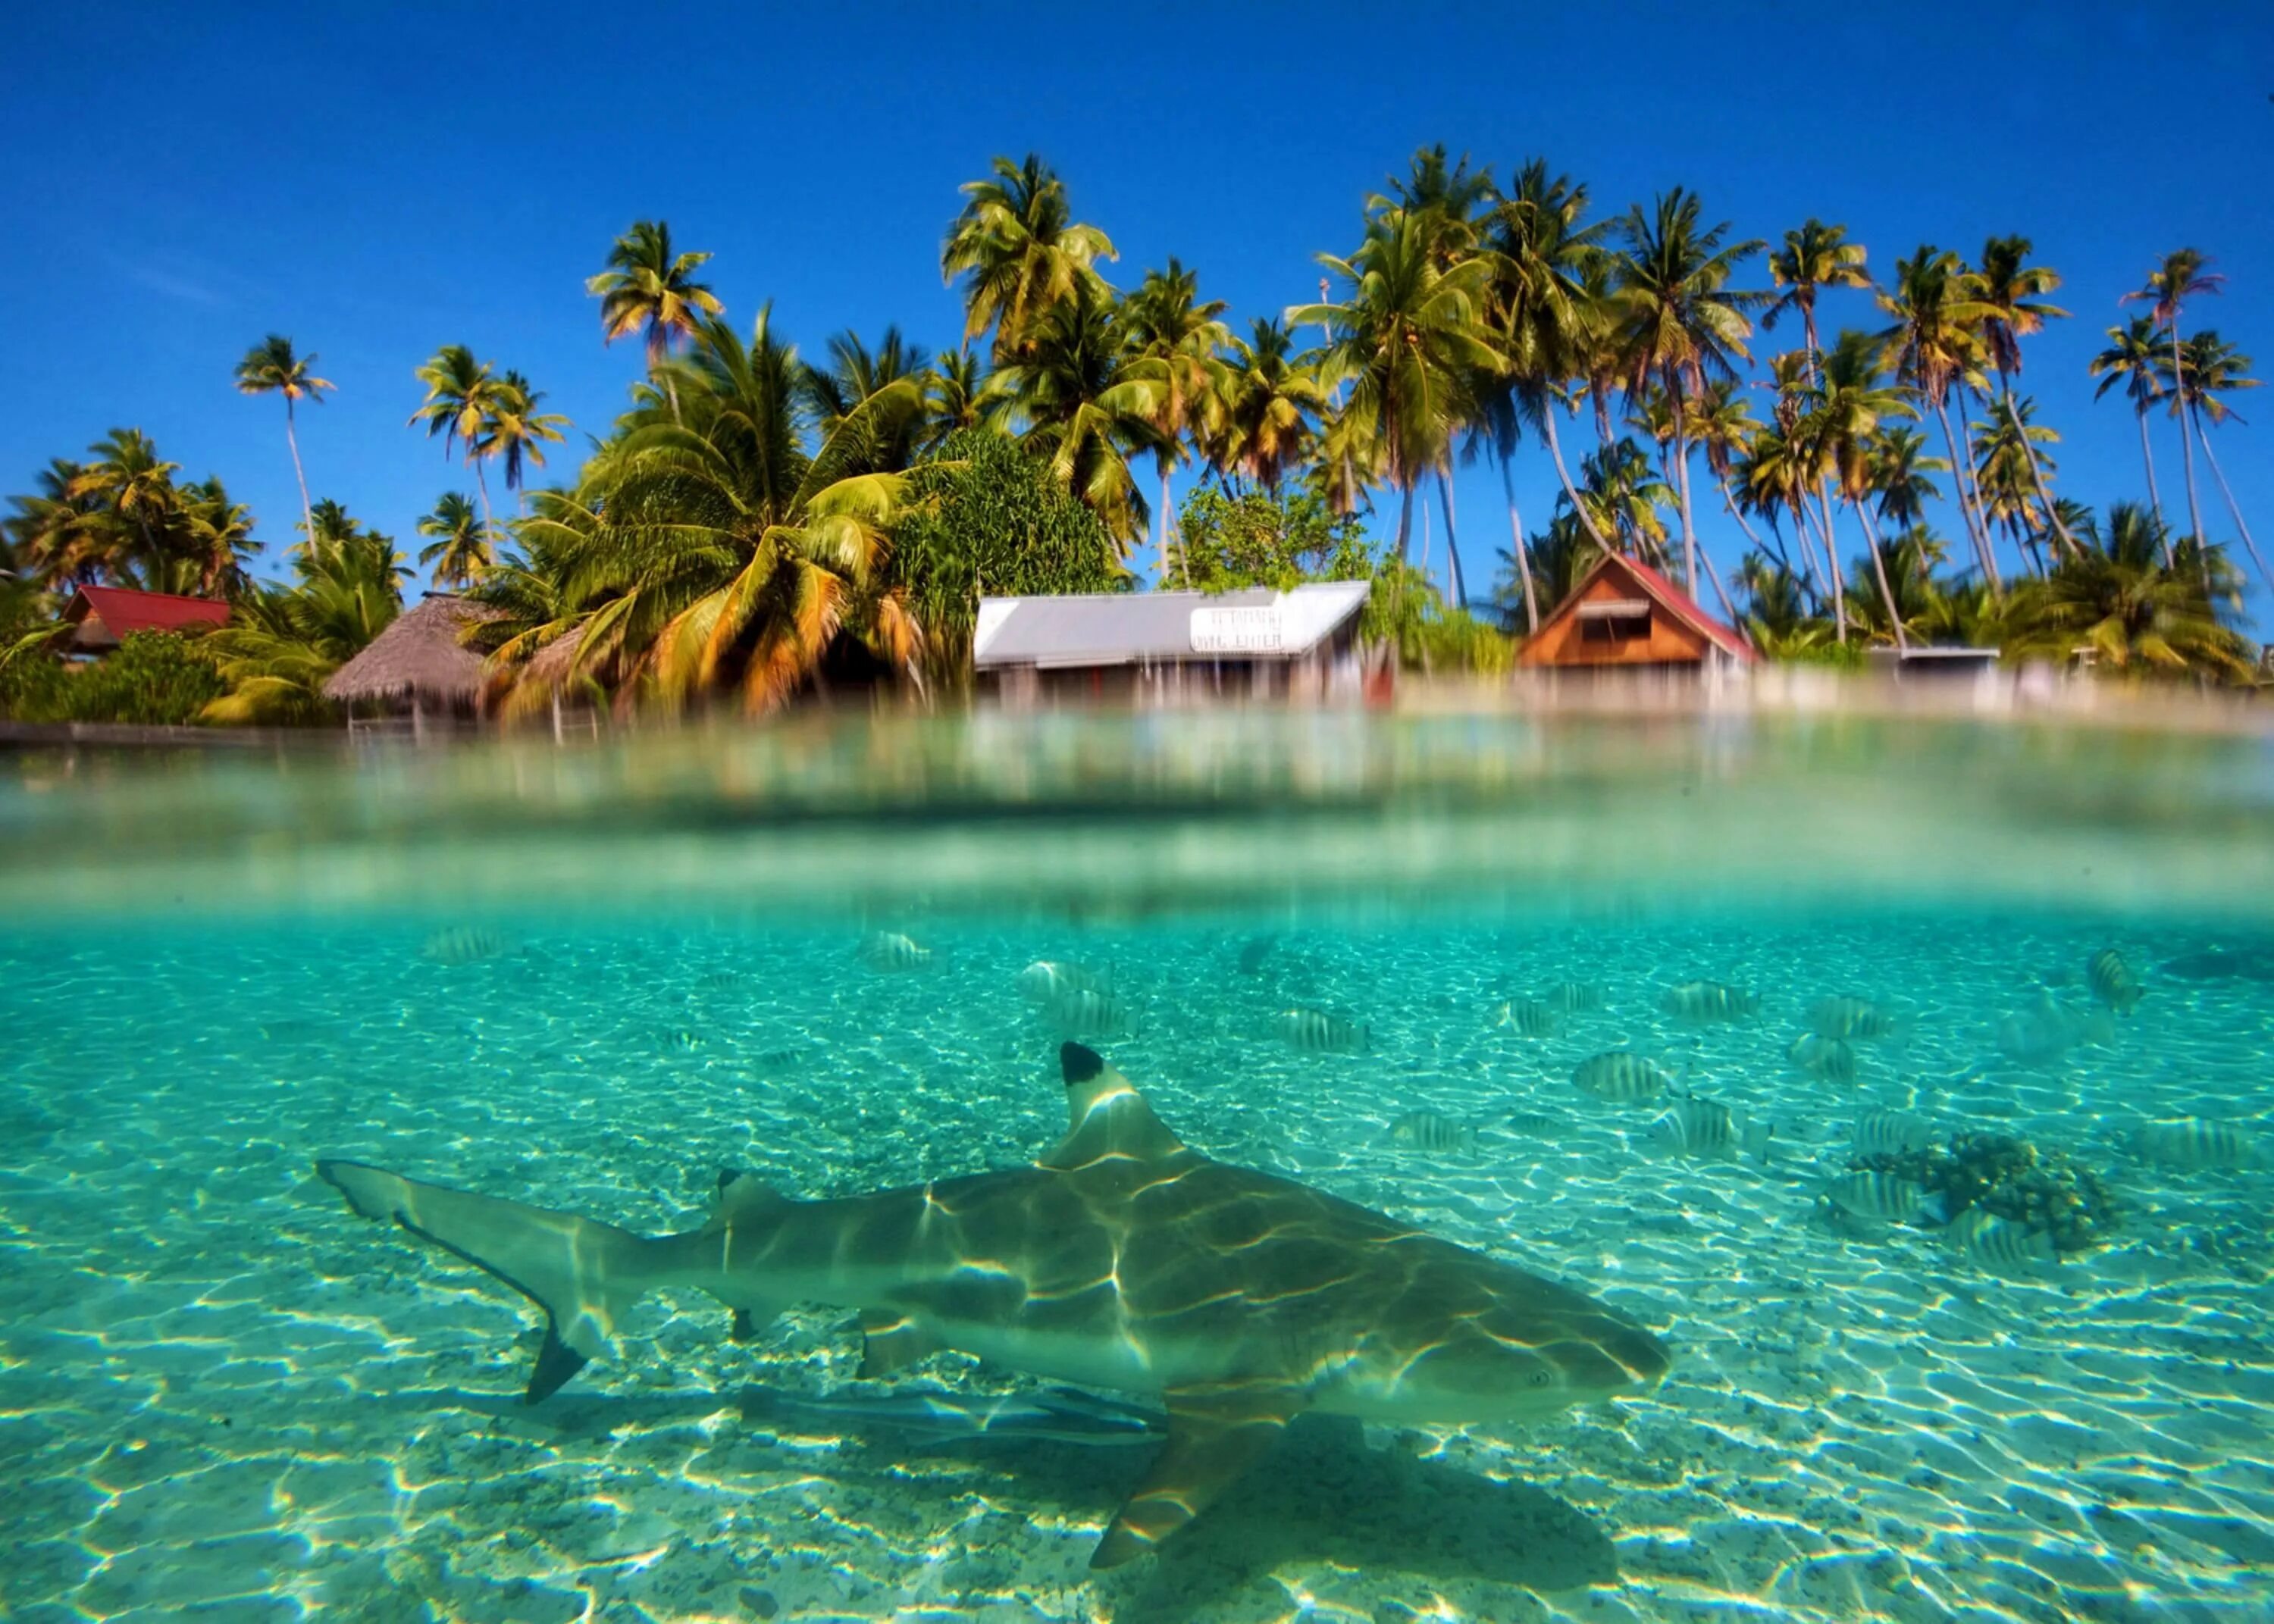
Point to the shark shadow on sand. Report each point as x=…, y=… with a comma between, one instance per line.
x=1320, y=1495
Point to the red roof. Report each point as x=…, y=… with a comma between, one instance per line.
x=119, y=611
x=1682, y=606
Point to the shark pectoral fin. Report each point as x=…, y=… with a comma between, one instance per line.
x=890, y=1342
x=583, y=1273
x=1215, y=1434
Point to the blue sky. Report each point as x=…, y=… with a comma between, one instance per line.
x=377, y=181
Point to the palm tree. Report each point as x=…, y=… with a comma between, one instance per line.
x=462, y=396
x=1813, y=258
x=954, y=400
x=282, y=643
x=461, y=553
x=1176, y=338
x=1900, y=465
x=1075, y=398
x=518, y=433
x=1623, y=496
x=716, y=553
x=856, y=373
x=2119, y=602
x=270, y=367
x=1681, y=323
x=1266, y=419
x=2214, y=368
x=2007, y=471
x=216, y=539
x=1853, y=405
x=1937, y=341
x=1537, y=253
x=1020, y=251
x=649, y=290
x=131, y=484
x=2007, y=286
x=58, y=532
x=2184, y=273
x=1408, y=338
x=2132, y=355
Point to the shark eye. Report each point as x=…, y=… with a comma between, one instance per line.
x=1538, y=1379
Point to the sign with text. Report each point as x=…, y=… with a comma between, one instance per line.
x=1248, y=629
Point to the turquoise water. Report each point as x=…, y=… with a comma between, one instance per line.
x=589, y=980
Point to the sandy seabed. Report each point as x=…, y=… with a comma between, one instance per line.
x=224, y=1397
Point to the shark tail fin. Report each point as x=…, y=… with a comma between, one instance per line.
x=583, y=1273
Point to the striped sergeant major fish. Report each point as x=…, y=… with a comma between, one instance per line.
x=1891, y=1133
x=1849, y=1017
x=1999, y=1242
x=2114, y=986
x=2187, y=1143
x=1086, y=1012
x=1833, y=1059
x=1434, y=1135
x=1530, y=1017
x=1046, y=979
x=1695, y=1127
x=1573, y=998
x=462, y=945
x=1710, y=1001
x=1107, y=1263
x=888, y=952
x=1883, y=1196
x=1314, y=1032
x=1620, y=1076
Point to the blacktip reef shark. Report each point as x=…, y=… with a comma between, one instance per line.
x=1122, y=1259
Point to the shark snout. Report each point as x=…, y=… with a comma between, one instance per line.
x=1616, y=1359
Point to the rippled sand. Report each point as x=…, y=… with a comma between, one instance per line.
x=221, y=1392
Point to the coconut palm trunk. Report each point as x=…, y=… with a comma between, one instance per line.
x=1165, y=531
x=482, y=482
x=1721, y=593
x=1879, y=571
x=2036, y=474
x=2155, y=500
x=1522, y=553
x=1730, y=507
x=2232, y=506
x=1555, y=450
x=1682, y=489
x=2187, y=451
x=292, y=439
x=1406, y=522
x=1982, y=553
x=1453, y=575
x=1831, y=559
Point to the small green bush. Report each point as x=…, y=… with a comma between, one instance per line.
x=150, y=679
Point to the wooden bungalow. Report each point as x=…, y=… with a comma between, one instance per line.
x=1624, y=615
x=100, y=617
x=419, y=668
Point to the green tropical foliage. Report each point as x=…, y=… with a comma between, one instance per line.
x=986, y=518
x=2119, y=604
x=758, y=525
x=1260, y=537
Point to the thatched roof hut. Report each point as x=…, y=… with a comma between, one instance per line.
x=418, y=662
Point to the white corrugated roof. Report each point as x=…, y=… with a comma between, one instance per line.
x=1122, y=628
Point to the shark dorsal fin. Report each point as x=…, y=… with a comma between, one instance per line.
x=1106, y=1117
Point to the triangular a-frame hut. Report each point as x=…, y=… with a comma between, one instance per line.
x=1625, y=614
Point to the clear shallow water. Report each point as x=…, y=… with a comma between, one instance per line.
x=219, y=1390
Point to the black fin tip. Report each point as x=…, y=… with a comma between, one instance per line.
x=1079, y=1063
